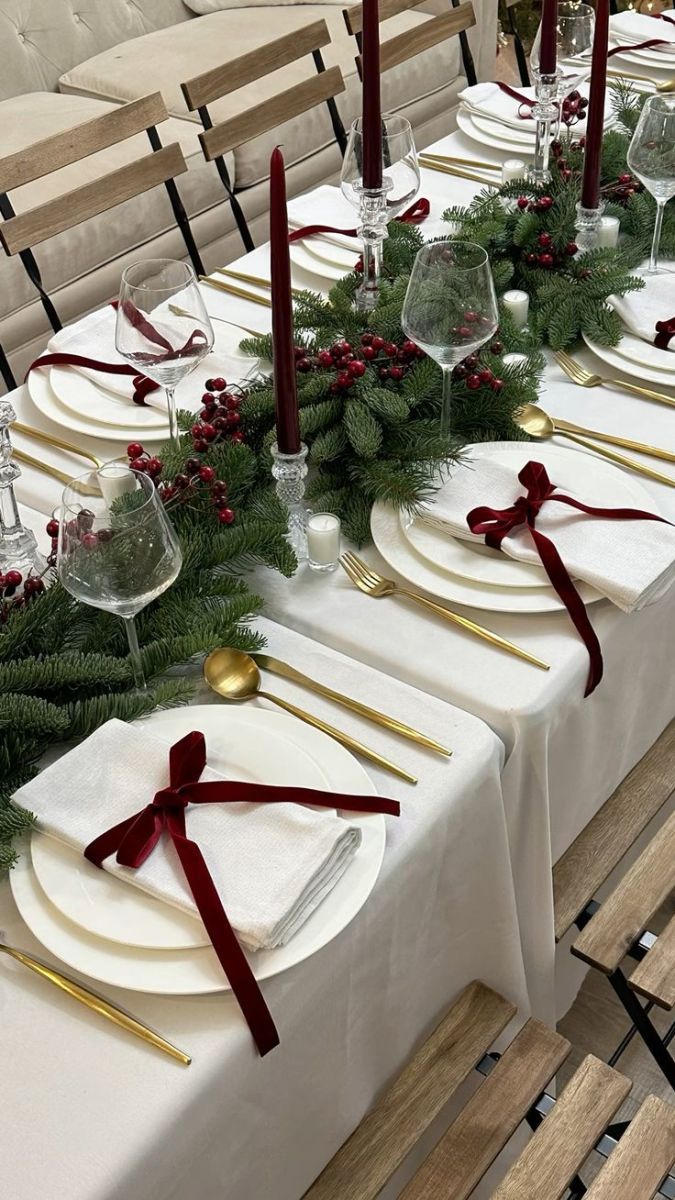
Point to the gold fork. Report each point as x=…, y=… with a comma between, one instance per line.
x=430, y=164
x=584, y=378
x=373, y=584
x=254, y=280
x=231, y=290
x=462, y=162
x=183, y=312
x=50, y=440
x=86, y=489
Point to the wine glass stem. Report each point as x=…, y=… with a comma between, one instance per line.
x=654, y=257
x=134, y=653
x=447, y=400
x=173, y=423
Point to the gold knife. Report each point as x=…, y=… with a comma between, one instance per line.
x=96, y=1003
x=443, y=169
x=254, y=280
x=268, y=663
x=231, y=290
x=50, y=440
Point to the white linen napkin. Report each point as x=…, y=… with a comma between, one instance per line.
x=632, y=563
x=488, y=100
x=640, y=311
x=633, y=27
x=326, y=206
x=271, y=864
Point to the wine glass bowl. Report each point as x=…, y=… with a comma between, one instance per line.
x=574, y=43
x=400, y=168
x=651, y=158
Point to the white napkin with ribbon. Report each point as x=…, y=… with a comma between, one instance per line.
x=272, y=864
x=630, y=28
x=326, y=205
x=640, y=311
x=632, y=563
x=488, y=100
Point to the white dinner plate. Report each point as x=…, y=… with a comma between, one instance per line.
x=197, y=971
x=45, y=401
x=497, y=141
x=596, y=483
x=323, y=270
x=519, y=135
x=644, y=354
x=621, y=362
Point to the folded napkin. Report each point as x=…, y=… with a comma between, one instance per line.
x=641, y=310
x=488, y=100
x=632, y=563
x=272, y=865
x=327, y=205
x=632, y=27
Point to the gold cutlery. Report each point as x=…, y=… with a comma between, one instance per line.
x=373, y=584
x=462, y=162
x=538, y=423
x=235, y=677
x=182, y=312
x=541, y=430
x=584, y=378
x=231, y=290
x=666, y=85
x=371, y=714
x=84, y=488
x=49, y=440
x=254, y=280
x=105, y=1008
x=430, y=165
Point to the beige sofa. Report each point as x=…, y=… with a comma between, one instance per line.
x=65, y=61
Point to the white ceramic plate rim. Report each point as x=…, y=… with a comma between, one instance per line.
x=43, y=398
x=610, y=355
x=76, y=393
x=320, y=268
x=465, y=123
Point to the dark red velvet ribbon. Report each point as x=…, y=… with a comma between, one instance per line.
x=662, y=17
x=134, y=839
x=664, y=331
x=639, y=46
x=522, y=100
x=418, y=212
x=497, y=523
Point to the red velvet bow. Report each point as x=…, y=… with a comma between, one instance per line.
x=664, y=331
x=523, y=101
x=497, y=524
x=414, y=215
x=134, y=839
x=639, y=46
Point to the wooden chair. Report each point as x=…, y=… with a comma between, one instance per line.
x=511, y=26
x=566, y=1130
x=19, y=234
x=321, y=88
x=399, y=49
x=617, y=928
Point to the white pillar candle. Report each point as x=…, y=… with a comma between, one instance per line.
x=513, y=168
x=517, y=304
x=514, y=360
x=323, y=541
x=115, y=479
x=608, y=233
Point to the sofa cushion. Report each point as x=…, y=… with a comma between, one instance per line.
x=41, y=39
x=66, y=257
x=164, y=59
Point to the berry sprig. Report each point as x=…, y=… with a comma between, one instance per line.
x=11, y=600
x=573, y=108
x=475, y=374
x=546, y=255
x=348, y=364
x=219, y=418
x=197, y=479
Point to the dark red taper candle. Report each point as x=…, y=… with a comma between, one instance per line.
x=371, y=115
x=548, y=46
x=595, y=122
x=285, y=391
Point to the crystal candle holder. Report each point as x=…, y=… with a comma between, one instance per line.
x=372, y=231
x=544, y=112
x=588, y=227
x=290, y=472
x=18, y=545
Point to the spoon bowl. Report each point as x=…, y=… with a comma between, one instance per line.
x=232, y=674
x=534, y=421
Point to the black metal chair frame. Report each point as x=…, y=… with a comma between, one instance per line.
x=6, y=372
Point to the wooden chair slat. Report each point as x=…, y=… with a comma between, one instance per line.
x=645, y=1154
x=271, y=113
x=46, y=220
x=71, y=145
x=229, y=77
x=491, y=1117
x=654, y=977
x=387, y=8
x=415, y=41
x=567, y=1135
x=376, y=1149
x=624, y=914
x=602, y=844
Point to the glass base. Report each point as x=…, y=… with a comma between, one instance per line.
x=322, y=568
x=588, y=227
x=290, y=472
x=20, y=553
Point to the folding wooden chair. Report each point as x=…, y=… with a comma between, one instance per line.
x=19, y=234
x=566, y=1129
x=618, y=927
x=399, y=49
x=511, y=26
x=321, y=88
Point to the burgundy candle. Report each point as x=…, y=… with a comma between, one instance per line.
x=548, y=46
x=371, y=116
x=595, y=123
x=285, y=392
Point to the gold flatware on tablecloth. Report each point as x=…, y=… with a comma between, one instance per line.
x=50, y=440
x=183, y=312
x=268, y=663
x=231, y=290
x=430, y=165
x=584, y=378
x=462, y=162
x=374, y=584
x=235, y=677
x=105, y=1008
x=83, y=488
x=542, y=429
x=666, y=85
x=534, y=420
x=254, y=280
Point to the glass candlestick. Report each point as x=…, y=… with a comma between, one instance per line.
x=372, y=231
x=544, y=112
x=290, y=471
x=588, y=227
x=18, y=545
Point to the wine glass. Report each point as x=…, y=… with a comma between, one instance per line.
x=450, y=307
x=117, y=549
x=574, y=40
x=151, y=333
x=651, y=157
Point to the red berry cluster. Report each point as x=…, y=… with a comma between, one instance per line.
x=476, y=375
x=560, y=161
x=79, y=529
x=541, y=205
x=625, y=187
x=9, y=600
x=466, y=332
x=219, y=419
x=196, y=477
x=573, y=108
x=389, y=358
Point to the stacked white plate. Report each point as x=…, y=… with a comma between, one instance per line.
x=470, y=573
x=634, y=355
x=629, y=29
x=502, y=127
x=118, y=935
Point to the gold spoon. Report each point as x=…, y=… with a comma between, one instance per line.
x=530, y=417
x=235, y=677
x=539, y=425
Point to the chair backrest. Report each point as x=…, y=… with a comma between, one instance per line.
x=212, y=85
x=406, y=45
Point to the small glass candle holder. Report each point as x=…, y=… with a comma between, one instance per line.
x=18, y=545
x=545, y=111
x=290, y=472
x=513, y=168
x=517, y=304
x=608, y=233
x=588, y=227
x=323, y=541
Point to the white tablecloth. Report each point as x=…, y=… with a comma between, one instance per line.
x=94, y=1114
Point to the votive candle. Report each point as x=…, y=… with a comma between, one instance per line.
x=323, y=541
x=513, y=168
x=371, y=113
x=608, y=232
x=517, y=304
x=285, y=389
x=595, y=121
